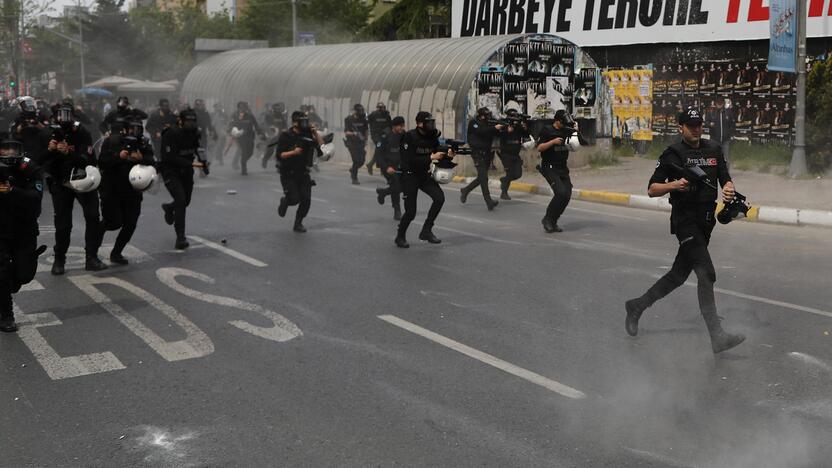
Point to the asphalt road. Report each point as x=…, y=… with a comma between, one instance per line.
x=503, y=346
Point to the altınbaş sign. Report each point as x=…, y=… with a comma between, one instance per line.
x=617, y=22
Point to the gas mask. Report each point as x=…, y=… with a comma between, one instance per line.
x=303, y=125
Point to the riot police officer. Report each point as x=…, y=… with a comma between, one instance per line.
x=160, y=119
x=70, y=166
x=554, y=153
x=481, y=134
x=275, y=122
x=245, y=122
x=29, y=129
x=206, y=127
x=379, y=121
x=355, y=131
x=420, y=147
x=388, y=149
x=122, y=113
x=295, y=151
x=692, y=220
x=511, y=143
x=120, y=202
x=180, y=145
x=21, y=190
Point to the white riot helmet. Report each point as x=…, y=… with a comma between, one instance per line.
x=84, y=180
x=142, y=177
x=530, y=144
x=327, y=151
x=443, y=175
x=237, y=132
x=573, y=143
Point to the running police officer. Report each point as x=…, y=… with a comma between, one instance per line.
x=206, y=127
x=121, y=203
x=245, y=123
x=355, y=131
x=481, y=133
x=180, y=145
x=511, y=143
x=554, y=154
x=70, y=163
x=21, y=190
x=379, y=121
x=692, y=220
x=275, y=122
x=160, y=119
x=420, y=147
x=388, y=149
x=123, y=112
x=295, y=151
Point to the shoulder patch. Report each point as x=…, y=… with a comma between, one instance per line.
x=39, y=186
x=404, y=146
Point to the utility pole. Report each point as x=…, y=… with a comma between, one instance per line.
x=798, y=168
x=81, y=44
x=294, y=23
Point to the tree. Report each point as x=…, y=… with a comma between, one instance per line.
x=819, y=114
x=332, y=21
x=409, y=19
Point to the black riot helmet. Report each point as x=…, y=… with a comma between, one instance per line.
x=242, y=106
x=164, y=105
x=11, y=153
x=483, y=113
x=64, y=115
x=564, y=117
x=301, y=119
x=428, y=122
x=359, y=110
x=188, y=120
x=123, y=103
x=199, y=104
x=135, y=128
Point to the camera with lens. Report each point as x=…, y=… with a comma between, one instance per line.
x=457, y=146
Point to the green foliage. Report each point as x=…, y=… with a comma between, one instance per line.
x=409, y=19
x=819, y=115
x=599, y=159
x=332, y=21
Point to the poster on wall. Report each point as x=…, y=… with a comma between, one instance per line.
x=490, y=91
x=632, y=105
x=760, y=87
x=745, y=74
x=515, y=96
x=761, y=125
x=563, y=60
x=725, y=80
x=516, y=61
x=585, y=88
x=660, y=75
x=558, y=93
x=691, y=80
x=782, y=84
x=675, y=81
x=745, y=113
x=538, y=104
x=780, y=121
x=541, y=58
x=707, y=81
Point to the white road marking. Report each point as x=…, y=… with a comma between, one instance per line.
x=34, y=285
x=283, y=329
x=808, y=359
x=463, y=218
x=655, y=457
x=485, y=358
x=233, y=253
x=196, y=343
x=56, y=366
x=471, y=234
x=319, y=200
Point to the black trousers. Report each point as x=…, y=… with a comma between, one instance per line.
x=393, y=188
x=18, y=265
x=180, y=185
x=562, y=187
x=63, y=201
x=297, y=189
x=693, y=227
x=246, y=150
x=376, y=160
x=411, y=184
x=358, y=153
x=513, y=164
x=121, y=211
x=482, y=161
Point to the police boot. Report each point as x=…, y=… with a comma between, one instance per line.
x=299, y=226
x=370, y=169
x=7, y=324
x=427, y=235
x=118, y=258
x=181, y=243
x=94, y=263
x=58, y=266
x=168, y=209
x=720, y=339
x=548, y=225
x=381, y=195
x=397, y=213
x=635, y=307
x=284, y=205
x=463, y=195
x=401, y=242
x=491, y=204
x=504, y=195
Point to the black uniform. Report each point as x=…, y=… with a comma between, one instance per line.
x=245, y=143
x=19, y=212
x=356, y=144
x=32, y=134
x=388, y=149
x=416, y=150
x=120, y=203
x=121, y=114
x=179, y=149
x=58, y=167
x=480, y=138
x=555, y=170
x=379, y=121
x=294, y=173
x=511, y=143
x=206, y=127
x=275, y=122
x=156, y=124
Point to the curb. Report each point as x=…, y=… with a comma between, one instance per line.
x=762, y=214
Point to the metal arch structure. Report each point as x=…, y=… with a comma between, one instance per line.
x=434, y=75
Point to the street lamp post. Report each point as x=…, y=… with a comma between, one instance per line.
x=294, y=23
x=798, y=168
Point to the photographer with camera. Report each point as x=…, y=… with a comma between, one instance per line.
x=554, y=153
x=388, y=149
x=692, y=220
x=121, y=203
x=180, y=155
x=122, y=113
x=246, y=129
x=29, y=129
x=71, y=175
x=481, y=134
x=355, y=132
x=21, y=191
x=512, y=137
x=379, y=121
x=420, y=148
x=295, y=151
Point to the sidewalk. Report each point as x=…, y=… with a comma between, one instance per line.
x=774, y=198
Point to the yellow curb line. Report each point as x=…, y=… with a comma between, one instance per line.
x=523, y=187
x=605, y=197
x=753, y=213
x=459, y=179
